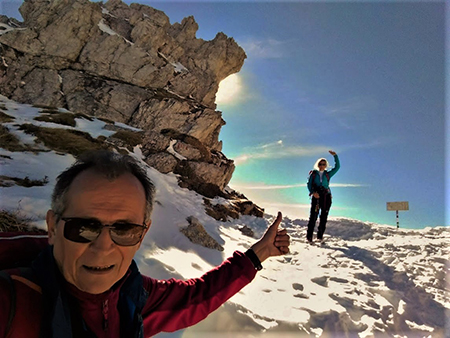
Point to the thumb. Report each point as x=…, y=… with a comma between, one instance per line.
x=274, y=227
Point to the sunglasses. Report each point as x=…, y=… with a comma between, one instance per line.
x=320, y=164
x=85, y=230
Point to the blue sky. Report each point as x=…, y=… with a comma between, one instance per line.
x=366, y=79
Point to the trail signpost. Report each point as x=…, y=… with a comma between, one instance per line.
x=397, y=206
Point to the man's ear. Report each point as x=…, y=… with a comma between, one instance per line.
x=51, y=226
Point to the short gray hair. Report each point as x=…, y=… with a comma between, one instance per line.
x=109, y=164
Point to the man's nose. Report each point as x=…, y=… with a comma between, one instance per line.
x=104, y=240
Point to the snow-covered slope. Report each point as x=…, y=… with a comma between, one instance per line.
x=367, y=280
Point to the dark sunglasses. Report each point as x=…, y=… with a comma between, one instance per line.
x=322, y=164
x=85, y=230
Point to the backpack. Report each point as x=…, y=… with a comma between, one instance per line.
x=312, y=175
x=17, y=251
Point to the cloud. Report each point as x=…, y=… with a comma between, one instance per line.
x=359, y=105
x=351, y=113
x=273, y=144
x=277, y=150
x=288, y=205
x=264, y=49
x=264, y=186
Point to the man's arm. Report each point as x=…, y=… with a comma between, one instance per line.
x=176, y=304
x=5, y=301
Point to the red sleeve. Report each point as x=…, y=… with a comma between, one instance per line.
x=5, y=302
x=176, y=304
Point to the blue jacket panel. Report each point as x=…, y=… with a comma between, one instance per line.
x=314, y=179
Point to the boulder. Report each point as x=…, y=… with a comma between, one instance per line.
x=220, y=212
x=198, y=235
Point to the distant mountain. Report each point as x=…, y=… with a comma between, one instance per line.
x=366, y=280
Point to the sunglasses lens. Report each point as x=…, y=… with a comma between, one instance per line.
x=126, y=234
x=81, y=230
x=84, y=230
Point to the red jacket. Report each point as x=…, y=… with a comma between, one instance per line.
x=171, y=305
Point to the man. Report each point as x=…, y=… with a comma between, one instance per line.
x=86, y=284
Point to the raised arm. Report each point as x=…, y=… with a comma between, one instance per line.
x=337, y=163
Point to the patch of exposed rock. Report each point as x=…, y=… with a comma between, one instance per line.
x=126, y=63
x=246, y=207
x=247, y=231
x=222, y=212
x=198, y=235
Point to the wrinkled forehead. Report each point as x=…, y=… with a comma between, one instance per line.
x=91, y=191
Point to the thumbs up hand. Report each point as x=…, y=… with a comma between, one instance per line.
x=274, y=242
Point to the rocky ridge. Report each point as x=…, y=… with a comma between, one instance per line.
x=127, y=64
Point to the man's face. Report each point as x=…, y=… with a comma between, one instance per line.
x=96, y=266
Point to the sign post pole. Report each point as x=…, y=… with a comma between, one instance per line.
x=397, y=206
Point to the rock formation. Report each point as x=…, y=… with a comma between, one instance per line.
x=198, y=235
x=127, y=64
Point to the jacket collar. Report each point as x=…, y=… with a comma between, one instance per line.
x=58, y=319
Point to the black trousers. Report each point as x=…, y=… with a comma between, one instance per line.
x=322, y=204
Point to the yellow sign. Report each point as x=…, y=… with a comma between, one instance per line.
x=397, y=206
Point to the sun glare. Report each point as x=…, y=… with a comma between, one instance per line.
x=229, y=89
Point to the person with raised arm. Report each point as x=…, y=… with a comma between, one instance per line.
x=319, y=190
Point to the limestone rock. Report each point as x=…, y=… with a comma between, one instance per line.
x=127, y=63
x=237, y=207
x=247, y=231
x=209, y=179
x=163, y=162
x=132, y=44
x=246, y=207
x=220, y=212
x=154, y=142
x=198, y=235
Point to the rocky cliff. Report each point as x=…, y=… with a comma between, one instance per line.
x=126, y=64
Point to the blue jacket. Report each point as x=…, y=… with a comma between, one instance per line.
x=314, y=183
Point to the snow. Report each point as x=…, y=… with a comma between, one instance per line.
x=108, y=30
x=105, y=28
x=173, y=152
x=369, y=277
x=179, y=68
x=125, y=126
x=4, y=28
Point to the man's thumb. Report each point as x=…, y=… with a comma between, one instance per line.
x=276, y=223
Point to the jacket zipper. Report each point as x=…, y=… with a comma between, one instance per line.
x=105, y=315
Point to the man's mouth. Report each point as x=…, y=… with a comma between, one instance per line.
x=104, y=268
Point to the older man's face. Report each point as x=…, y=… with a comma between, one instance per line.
x=96, y=266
